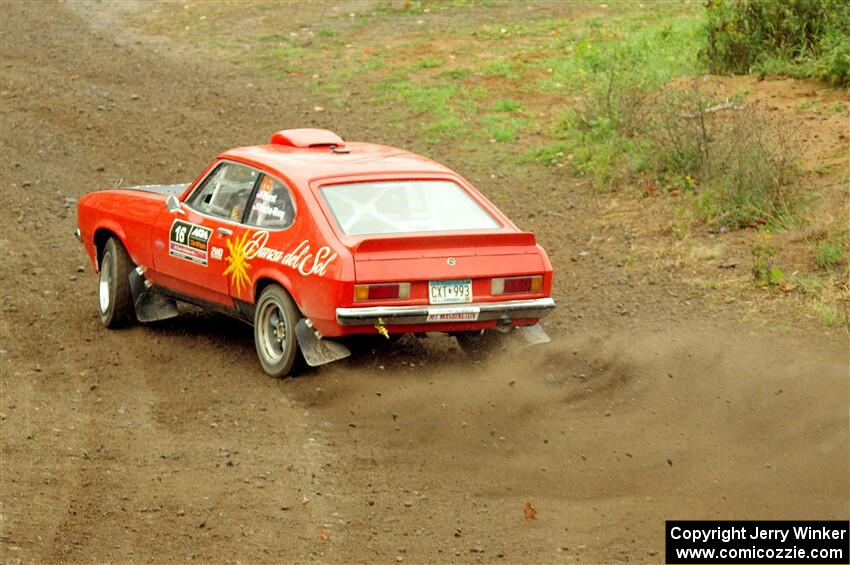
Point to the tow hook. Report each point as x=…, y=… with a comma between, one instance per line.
x=379, y=325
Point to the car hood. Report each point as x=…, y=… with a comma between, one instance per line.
x=165, y=189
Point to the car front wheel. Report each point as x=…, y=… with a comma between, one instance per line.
x=115, y=300
x=275, y=317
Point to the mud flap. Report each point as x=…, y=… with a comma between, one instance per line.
x=533, y=335
x=318, y=351
x=150, y=305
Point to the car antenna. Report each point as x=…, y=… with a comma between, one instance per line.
x=339, y=115
x=333, y=147
x=344, y=109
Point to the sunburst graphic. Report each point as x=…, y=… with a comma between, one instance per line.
x=238, y=268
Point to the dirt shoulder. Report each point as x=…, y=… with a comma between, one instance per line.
x=166, y=443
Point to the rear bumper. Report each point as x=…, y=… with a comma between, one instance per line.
x=409, y=315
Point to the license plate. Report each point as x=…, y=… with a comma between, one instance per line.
x=455, y=314
x=450, y=292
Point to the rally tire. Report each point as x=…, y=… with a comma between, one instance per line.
x=115, y=300
x=275, y=317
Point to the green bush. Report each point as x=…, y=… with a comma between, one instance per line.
x=797, y=37
x=834, y=65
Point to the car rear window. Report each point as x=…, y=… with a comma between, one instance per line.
x=367, y=208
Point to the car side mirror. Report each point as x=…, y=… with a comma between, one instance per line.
x=173, y=204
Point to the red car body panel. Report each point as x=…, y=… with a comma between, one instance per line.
x=313, y=259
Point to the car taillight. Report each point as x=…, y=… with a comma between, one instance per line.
x=517, y=285
x=394, y=291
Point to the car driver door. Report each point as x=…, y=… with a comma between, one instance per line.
x=189, y=244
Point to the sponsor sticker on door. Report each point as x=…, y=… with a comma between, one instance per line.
x=189, y=242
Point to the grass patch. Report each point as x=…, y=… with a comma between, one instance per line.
x=503, y=68
x=638, y=48
x=829, y=314
x=502, y=128
x=554, y=154
x=612, y=66
x=455, y=74
x=440, y=108
x=429, y=63
x=506, y=105
x=279, y=60
x=828, y=254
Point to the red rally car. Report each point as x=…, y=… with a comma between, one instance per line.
x=311, y=239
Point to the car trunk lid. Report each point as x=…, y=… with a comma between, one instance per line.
x=446, y=256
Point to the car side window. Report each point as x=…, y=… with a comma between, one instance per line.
x=225, y=191
x=272, y=207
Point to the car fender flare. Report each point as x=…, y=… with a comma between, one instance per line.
x=112, y=227
x=269, y=274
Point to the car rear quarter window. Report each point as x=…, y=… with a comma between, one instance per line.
x=272, y=207
x=384, y=207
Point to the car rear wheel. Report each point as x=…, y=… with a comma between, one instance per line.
x=115, y=300
x=275, y=317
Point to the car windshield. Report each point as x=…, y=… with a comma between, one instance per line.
x=367, y=208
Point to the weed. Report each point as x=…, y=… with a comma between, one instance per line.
x=502, y=68
x=456, y=74
x=828, y=254
x=506, y=105
x=279, y=60
x=819, y=169
x=429, y=63
x=765, y=272
x=446, y=126
x=279, y=38
x=549, y=154
x=502, y=128
x=501, y=134
x=828, y=314
x=809, y=284
x=741, y=163
x=678, y=230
